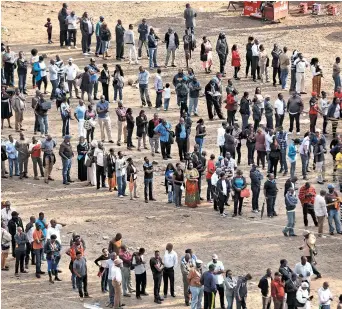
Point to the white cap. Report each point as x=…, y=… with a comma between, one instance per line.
x=70, y=59
x=199, y=262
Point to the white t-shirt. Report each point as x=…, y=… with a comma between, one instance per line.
x=90, y=27
x=116, y=274
x=139, y=269
x=279, y=105
x=54, y=231
x=98, y=153
x=306, y=142
x=218, y=266
x=71, y=71
x=43, y=69
x=29, y=234
x=167, y=93
x=71, y=21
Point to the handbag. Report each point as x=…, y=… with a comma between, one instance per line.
x=245, y=193
x=87, y=161
x=171, y=137
x=204, y=57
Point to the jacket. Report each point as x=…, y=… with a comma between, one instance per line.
x=189, y=16
x=143, y=32
x=208, y=281
x=130, y=121
x=256, y=112
x=236, y=59
x=141, y=125
x=263, y=285
x=260, y=142
x=84, y=26
x=244, y=183
x=331, y=110
x=178, y=131
x=219, y=188
x=277, y=289
x=167, y=38
x=275, y=58
x=241, y=287
x=268, y=109
x=256, y=177
x=286, y=273
x=229, y=286
x=290, y=201
x=294, y=105
x=85, y=83
x=307, y=196
x=194, y=89
x=288, y=185
x=119, y=33
x=244, y=106
x=222, y=47
x=20, y=241
x=13, y=224
x=152, y=41
x=62, y=15
x=151, y=127
x=291, y=290
x=52, y=253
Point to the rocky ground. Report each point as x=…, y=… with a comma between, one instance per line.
x=244, y=244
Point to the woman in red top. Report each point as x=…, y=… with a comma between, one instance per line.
x=313, y=112
x=231, y=107
x=236, y=63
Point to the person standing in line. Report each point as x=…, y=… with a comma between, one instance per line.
x=181, y=134
x=157, y=267
x=79, y=268
x=210, y=171
x=87, y=30
x=268, y=108
x=101, y=165
x=152, y=42
x=255, y=61
x=276, y=52
x=143, y=79
x=218, y=278
x=141, y=122
x=143, y=32
x=19, y=107
x=35, y=152
x=279, y=110
x=190, y=18
x=22, y=64
x=130, y=44
x=122, y=127
x=278, y=291
x=208, y=281
x=120, y=169
x=307, y=194
x=110, y=265
x=282, y=141
x=126, y=258
x=153, y=136
x=63, y=26
x=294, y=108
x=320, y=208
x=333, y=204
x=301, y=64
x=138, y=264
x=148, y=180
x=265, y=288
x=72, y=20
x=105, y=80
x=256, y=178
x=229, y=286
x=222, y=52
x=186, y=265
x=249, y=54
x=20, y=251
x=102, y=109
x=291, y=287
x=29, y=229
x=291, y=201
x=71, y=70
x=305, y=154
x=337, y=73
x=98, y=36
x=37, y=245
x=117, y=282
x=130, y=127
x=79, y=116
x=270, y=193
x=66, y=153
x=49, y=158
x=196, y=289
x=120, y=42
x=172, y=43
x=325, y=296
x=284, y=62
x=223, y=189
x=294, y=57
x=194, y=93
x=159, y=88
x=163, y=131
x=241, y=291
x=238, y=184
x=22, y=146
x=170, y=261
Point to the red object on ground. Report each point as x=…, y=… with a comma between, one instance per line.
x=251, y=7
x=277, y=11
x=303, y=8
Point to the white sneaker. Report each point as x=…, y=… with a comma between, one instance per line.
x=120, y=196
x=75, y=47
x=290, y=133
x=139, y=58
x=90, y=52
x=298, y=133
x=85, y=54
x=158, y=109
x=136, y=62
x=69, y=47
x=223, y=215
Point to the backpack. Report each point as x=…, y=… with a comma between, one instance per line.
x=133, y=255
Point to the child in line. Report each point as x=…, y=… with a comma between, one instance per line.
x=103, y=270
x=48, y=25
x=167, y=96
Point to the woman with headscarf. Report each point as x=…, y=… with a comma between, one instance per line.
x=192, y=198
x=222, y=51
x=91, y=165
x=316, y=75
x=82, y=149
x=206, y=55
x=6, y=108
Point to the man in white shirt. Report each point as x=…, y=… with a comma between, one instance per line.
x=54, y=229
x=71, y=71
x=72, y=20
x=100, y=161
x=120, y=168
x=279, y=110
x=302, y=296
x=53, y=70
x=220, y=137
x=117, y=280
x=130, y=43
x=214, y=179
x=6, y=213
x=158, y=86
x=304, y=154
x=304, y=268
x=268, y=140
x=110, y=266
x=231, y=167
x=29, y=229
x=170, y=261
x=255, y=60
x=324, y=296
x=301, y=64
x=321, y=212
x=218, y=276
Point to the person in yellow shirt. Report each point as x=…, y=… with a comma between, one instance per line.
x=338, y=160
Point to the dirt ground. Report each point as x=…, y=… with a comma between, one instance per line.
x=244, y=244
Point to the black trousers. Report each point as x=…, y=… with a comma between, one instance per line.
x=72, y=36
x=255, y=67
x=165, y=149
x=248, y=64
x=100, y=173
x=273, y=166
x=159, y=99
x=119, y=49
x=182, y=148
x=13, y=246
x=148, y=189
x=279, y=120
x=82, y=285
x=276, y=71
x=255, y=197
x=261, y=155
x=129, y=137
x=19, y=259
x=223, y=60
x=309, y=209
x=292, y=118
x=236, y=71
x=325, y=123
x=29, y=250
x=140, y=284
x=251, y=150
x=105, y=91
x=220, y=290
x=270, y=201
x=221, y=200
x=230, y=117
x=237, y=203
x=314, y=269
x=63, y=37
x=169, y=274
x=212, y=102
x=209, y=190
x=209, y=298
x=157, y=279
x=86, y=41
x=238, y=151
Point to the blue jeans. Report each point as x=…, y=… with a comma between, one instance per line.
x=283, y=163
x=51, y=265
x=166, y=103
x=14, y=162
x=121, y=184
x=43, y=124
x=116, y=90
x=39, y=254
x=293, y=169
x=291, y=219
x=66, y=125
x=325, y=307
x=334, y=215
x=337, y=81
x=54, y=84
x=111, y=291
x=66, y=169
x=305, y=161
x=153, y=57
x=283, y=77
x=22, y=82
x=230, y=301
x=199, y=142
x=193, y=103
x=196, y=297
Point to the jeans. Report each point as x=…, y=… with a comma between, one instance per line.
x=14, y=162
x=337, y=82
x=305, y=161
x=86, y=41
x=153, y=57
x=66, y=125
x=117, y=90
x=82, y=284
x=170, y=196
x=166, y=103
x=157, y=279
x=270, y=205
x=22, y=82
x=255, y=196
x=43, y=124
x=283, y=77
x=148, y=188
x=230, y=301
x=193, y=104
x=159, y=98
x=144, y=95
x=54, y=84
x=291, y=220
x=98, y=45
x=111, y=291
x=37, y=161
x=334, y=215
x=121, y=182
x=177, y=195
x=293, y=169
x=66, y=169
x=38, y=254
x=199, y=141
x=283, y=163
x=244, y=121
x=104, y=280
x=196, y=297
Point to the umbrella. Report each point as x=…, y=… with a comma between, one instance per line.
x=263, y=208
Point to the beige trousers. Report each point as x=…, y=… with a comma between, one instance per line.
x=122, y=128
x=105, y=123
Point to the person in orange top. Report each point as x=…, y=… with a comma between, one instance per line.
x=277, y=291
x=37, y=245
x=210, y=171
x=313, y=112
x=35, y=150
x=115, y=244
x=307, y=195
x=236, y=61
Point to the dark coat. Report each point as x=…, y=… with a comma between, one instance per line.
x=13, y=225
x=286, y=273
x=167, y=37
x=291, y=290
x=263, y=285
x=86, y=83
x=244, y=106
x=178, y=130
x=119, y=33
x=219, y=188
x=141, y=125
x=84, y=26
x=150, y=129
x=62, y=15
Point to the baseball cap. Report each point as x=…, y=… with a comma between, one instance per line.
x=214, y=257
x=305, y=285
x=331, y=186
x=199, y=262
x=70, y=59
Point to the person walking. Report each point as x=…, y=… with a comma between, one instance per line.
x=190, y=18
x=157, y=268
x=270, y=193
x=291, y=201
x=307, y=194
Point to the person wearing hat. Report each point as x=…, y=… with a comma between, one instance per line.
x=195, y=285
x=66, y=153
x=71, y=70
x=302, y=296
x=98, y=37
x=218, y=278
x=117, y=282
x=333, y=206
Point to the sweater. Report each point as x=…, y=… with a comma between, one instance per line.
x=290, y=201
x=208, y=281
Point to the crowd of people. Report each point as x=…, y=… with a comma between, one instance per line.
x=252, y=119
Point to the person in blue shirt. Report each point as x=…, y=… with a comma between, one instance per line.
x=208, y=281
x=12, y=154
x=94, y=70
x=41, y=221
x=79, y=116
x=182, y=139
x=163, y=130
x=102, y=109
